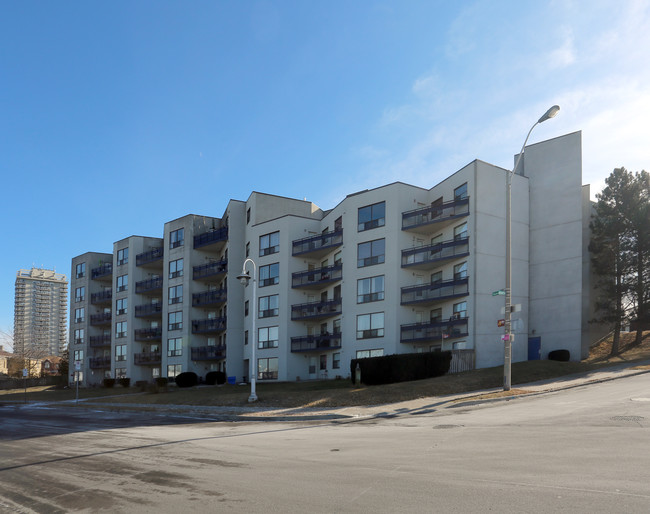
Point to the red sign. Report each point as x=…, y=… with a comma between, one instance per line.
x=501, y=323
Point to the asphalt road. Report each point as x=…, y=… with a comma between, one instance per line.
x=579, y=450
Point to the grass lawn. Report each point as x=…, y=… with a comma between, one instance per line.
x=341, y=393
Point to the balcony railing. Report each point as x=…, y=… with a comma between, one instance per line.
x=211, y=237
x=434, y=330
x=103, y=362
x=102, y=318
x=148, y=334
x=104, y=270
x=101, y=297
x=209, y=298
x=209, y=353
x=435, y=213
x=148, y=310
x=99, y=341
x=317, y=277
x=212, y=269
x=421, y=256
x=147, y=358
x=153, y=255
x=206, y=326
x=320, y=243
x=442, y=290
x=314, y=310
x=316, y=342
x=148, y=286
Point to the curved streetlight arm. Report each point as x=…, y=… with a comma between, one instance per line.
x=245, y=277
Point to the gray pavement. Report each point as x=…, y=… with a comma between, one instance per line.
x=355, y=413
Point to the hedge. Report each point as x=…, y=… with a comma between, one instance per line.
x=401, y=367
x=215, y=377
x=187, y=379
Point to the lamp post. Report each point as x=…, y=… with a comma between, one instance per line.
x=507, y=337
x=245, y=278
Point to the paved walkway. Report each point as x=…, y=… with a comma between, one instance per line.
x=418, y=406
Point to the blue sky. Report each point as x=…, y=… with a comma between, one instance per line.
x=119, y=116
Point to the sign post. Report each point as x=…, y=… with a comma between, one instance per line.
x=77, y=369
x=25, y=374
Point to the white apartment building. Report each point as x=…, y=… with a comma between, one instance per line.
x=40, y=312
x=396, y=269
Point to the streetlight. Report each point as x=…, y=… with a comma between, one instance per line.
x=245, y=278
x=507, y=337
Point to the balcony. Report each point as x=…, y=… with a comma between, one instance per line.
x=429, y=256
x=101, y=297
x=152, y=285
x=148, y=334
x=317, y=278
x=435, y=292
x=153, y=256
x=210, y=272
x=318, y=245
x=103, y=318
x=434, y=331
x=212, y=240
x=208, y=326
x=147, y=358
x=209, y=298
x=315, y=343
x=103, y=362
x=148, y=310
x=435, y=217
x=99, y=341
x=209, y=353
x=102, y=272
x=316, y=310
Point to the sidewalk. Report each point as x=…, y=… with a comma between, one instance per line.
x=411, y=407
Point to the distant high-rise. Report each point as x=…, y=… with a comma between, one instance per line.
x=40, y=312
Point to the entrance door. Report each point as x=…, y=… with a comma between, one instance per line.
x=534, y=348
x=313, y=362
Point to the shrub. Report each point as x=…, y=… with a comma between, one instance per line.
x=187, y=379
x=142, y=385
x=215, y=377
x=125, y=381
x=559, y=355
x=401, y=367
x=109, y=382
x=161, y=381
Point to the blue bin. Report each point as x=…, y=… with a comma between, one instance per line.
x=232, y=380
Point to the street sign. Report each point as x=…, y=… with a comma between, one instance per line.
x=500, y=292
x=25, y=372
x=501, y=323
x=77, y=365
x=508, y=337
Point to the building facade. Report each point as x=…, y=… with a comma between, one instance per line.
x=396, y=269
x=40, y=312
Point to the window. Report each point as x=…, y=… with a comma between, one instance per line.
x=120, y=353
x=120, y=306
x=120, y=372
x=267, y=369
x=460, y=232
x=79, y=334
x=176, y=268
x=246, y=308
x=245, y=337
x=336, y=326
x=248, y=215
x=80, y=270
x=370, y=325
x=269, y=243
x=460, y=310
x=323, y=363
x=436, y=277
x=122, y=283
x=364, y=354
x=370, y=289
x=175, y=320
x=122, y=256
x=80, y=294
x=177, y=238
x=175, y=294
x=435, y=315
x=371, y=253
x=175, y=347
x=268, y=306
x=267, y=337
x=173, y=370
x=79, y=315
x=269, y=275
x=78, y=355
x=460, y=271
x=120, y=329
x=460, y=193
x=336, y=361
x=248, y=249
x=372, y=216
x=338, y=259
